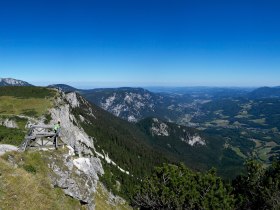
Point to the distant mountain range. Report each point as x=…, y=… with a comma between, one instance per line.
x=13, y=82
x=216, y=127
x=178, y=105
x=206, y=92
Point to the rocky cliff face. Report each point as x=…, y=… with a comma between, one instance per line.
x=71, y=134
x=77, y=176
x=76, y=172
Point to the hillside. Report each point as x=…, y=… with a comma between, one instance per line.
x=131, y=104
x=250, y=124
x=52, y=174
x=265, y=92
x=181, y=144
x=134, y=104
x=200, y=150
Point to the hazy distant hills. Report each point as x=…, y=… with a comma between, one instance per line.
x=206, y=92
x=13, y=82
x=265, y=92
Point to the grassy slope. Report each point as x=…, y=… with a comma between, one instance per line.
x=12, y=136
x=30, y=101
x=10, y=105
x=26, y=101
x=28, y=186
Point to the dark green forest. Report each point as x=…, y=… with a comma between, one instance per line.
x=177, y=187
x=27, y=92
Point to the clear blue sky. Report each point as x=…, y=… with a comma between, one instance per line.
x=141, y=42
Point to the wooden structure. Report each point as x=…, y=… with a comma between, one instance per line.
x=40, y=136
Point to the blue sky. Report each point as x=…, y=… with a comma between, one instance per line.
x=89, y=43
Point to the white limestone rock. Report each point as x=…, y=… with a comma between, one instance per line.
x=8, y=123
x=71, y=134
x=78, y=178
x=72, y=99
x=159, y=128
x=7, y=148
x=89, y=166
x=193, y=139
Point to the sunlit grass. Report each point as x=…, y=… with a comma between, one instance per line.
x=28, y=186
x=221, y=123
x=238, y=152
x=10, y=105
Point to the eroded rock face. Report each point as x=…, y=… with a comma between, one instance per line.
x=70, y=133
x=78, y=177
x=72, y=99
x=193, y=139
x=159, y=128
x=89, y=166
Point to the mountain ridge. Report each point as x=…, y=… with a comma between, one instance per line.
x=13, y=82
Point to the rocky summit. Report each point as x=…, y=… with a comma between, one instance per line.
x=13, y=82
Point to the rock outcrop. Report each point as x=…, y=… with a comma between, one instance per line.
x=71, y=134
x=78, y=177
x=77, y=171
x=6, y=148
x=8, y=123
